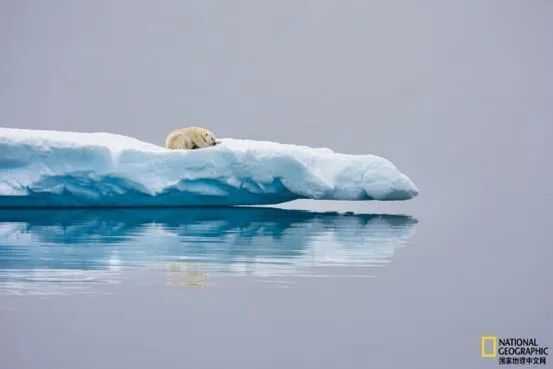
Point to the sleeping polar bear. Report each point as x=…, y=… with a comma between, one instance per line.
x=190, y=138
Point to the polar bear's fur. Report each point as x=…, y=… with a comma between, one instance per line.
x=190, y=138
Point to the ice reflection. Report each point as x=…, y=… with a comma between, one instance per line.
x=60, y=251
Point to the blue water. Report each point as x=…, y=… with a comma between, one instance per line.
x=51, y=252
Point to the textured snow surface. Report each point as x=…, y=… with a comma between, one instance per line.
x=52, y=168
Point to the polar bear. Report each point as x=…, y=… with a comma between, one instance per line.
x=190, y=138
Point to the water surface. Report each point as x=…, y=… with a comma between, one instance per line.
x=65, y=251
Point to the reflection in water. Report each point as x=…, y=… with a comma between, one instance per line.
x=55, y=251
x=186, y=274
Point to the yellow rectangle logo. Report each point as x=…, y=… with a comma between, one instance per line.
x=493, y=340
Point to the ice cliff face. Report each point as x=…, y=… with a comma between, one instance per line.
x=51, y=168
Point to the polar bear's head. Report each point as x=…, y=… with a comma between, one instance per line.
x=208, y=137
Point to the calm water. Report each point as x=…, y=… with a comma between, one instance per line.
x=261, y=287
x=68, y=251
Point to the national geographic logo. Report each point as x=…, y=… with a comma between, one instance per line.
x=514, y=351
x=489, y=346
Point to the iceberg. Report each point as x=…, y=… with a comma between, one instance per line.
x=69, y=169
